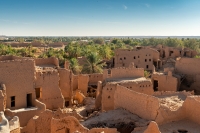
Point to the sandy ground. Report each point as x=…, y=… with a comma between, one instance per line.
x=184, y=125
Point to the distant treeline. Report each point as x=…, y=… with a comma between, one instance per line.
x=96, y=51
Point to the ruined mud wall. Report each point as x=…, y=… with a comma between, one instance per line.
x=26, y=114
x=83, y=80
x=98, y=95
x=145, y=87
x=75, y=82
x=142, y=58
x=18, y=77
x=46, y=61
x=65, y=83
x=42, y=122
x=11, y=57
x=48, y=82
x=94, y=78
x=188, y=66
x=67, y=124
x=107, y=99
x=123, y=72
x=192, y=106
x=140, y=104
x=166, y=82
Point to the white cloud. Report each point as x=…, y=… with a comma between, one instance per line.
x=125, y=7
x=147, y=5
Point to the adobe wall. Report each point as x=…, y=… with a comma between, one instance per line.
x=122, y=72
x=75, y=82
x=143, y=105
x=192, y=106
x=46, y=61
x=188, y=66
x=18, y=77
x=25, y=115
x=68, y=123
x=165, y=82
x=2, y=107
x=170, y=113
x=107, y=93
x=11, y=57
x=94, y=78
x=48, y=81
x=3, y=97
x=65, y=83
x=98, y=95
x=141, y=58
x=83, y=80
x=37, y=123
x=144, y=86
x=107, y=100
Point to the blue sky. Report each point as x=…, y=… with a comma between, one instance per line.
x=100, y=17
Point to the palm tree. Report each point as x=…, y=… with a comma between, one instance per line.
x=94, y=64
x=74, y=66
x=105, y=52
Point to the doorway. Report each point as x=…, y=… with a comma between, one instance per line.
x=163, y=54
x=66, y=103
x=155, y=85
x=29, y=100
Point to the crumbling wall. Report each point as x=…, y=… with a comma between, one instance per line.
x=94, y=78
x=122, y=72
x=107, y=99
x=188, y=66
x=75, y=82
x=4, y=124
x=26, y=114
x=18, y=77
x=65, y=83
x=14, y=125
x=165, y=82
x=83, y=83
x=3, y=97
x=191, y=106
x=67, y=124
x=98, y=95
x=46, y=61
x=142, y=58
x=140, y=104
x=48, y=81
x=37, y=123
x=143, y=86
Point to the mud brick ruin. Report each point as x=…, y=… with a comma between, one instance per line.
x=38, y=96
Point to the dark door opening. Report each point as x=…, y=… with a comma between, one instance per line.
x=155, y=85
x=29, y=100
x=113, y=64
x=12, y=101
x=163, y=54
x=155, y=64
x=170, y=53
x=66, y=103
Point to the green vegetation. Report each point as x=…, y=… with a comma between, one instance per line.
x=96, y=50
x=147, y=74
